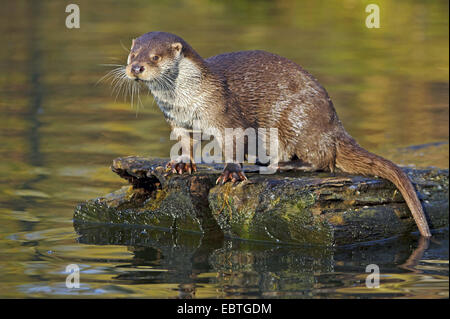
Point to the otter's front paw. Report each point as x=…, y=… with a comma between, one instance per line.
x=231, y=172
x=177, y=166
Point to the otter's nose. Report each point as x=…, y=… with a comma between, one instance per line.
x=137, y=69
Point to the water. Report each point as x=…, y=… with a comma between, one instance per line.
x=59, y=133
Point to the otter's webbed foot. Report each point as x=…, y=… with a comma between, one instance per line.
x=232, y=172
x=178, y=166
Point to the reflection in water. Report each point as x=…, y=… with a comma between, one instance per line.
x=59, y=133
x=245, y=269
x=34, y=65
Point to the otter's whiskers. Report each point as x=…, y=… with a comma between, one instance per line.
x=122, y=85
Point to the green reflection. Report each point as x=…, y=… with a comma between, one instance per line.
x=59, y=131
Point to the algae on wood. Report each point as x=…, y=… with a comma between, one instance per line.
x=289, y=207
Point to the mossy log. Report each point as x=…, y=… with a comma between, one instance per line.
x=287, y=207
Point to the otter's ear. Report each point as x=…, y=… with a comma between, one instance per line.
x=177, y=46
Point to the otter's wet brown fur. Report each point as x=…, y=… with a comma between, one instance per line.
x=258, y=89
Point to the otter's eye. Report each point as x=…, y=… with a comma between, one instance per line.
x=156, y=58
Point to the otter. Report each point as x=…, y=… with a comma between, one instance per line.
x=253, y=89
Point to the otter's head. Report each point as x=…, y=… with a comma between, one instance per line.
x=154, y=54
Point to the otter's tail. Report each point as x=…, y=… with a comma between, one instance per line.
x=353, y=159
